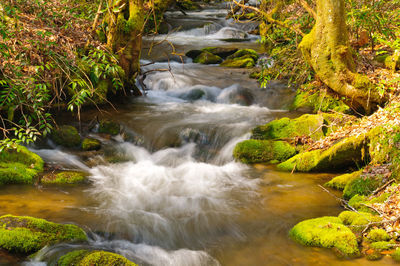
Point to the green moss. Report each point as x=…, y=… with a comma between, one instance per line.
x=85, y=257
x=16, y=173
x=358, y=219
x=222, y=52
x=66, y=136
x=26, y=235
x=242, y=62
x=319, y=100
x=207, y=58
x=396, y=255
x=89, y=144
x=256, y=151
x=285, y=128
x=382, y=245
x=245, y=52
x=22, y=155
x=341, y=181
x=348, y=152
x=356, y=201
x=327, y=232
x=376, y=255
x=361, y=186
x=378, y=234
x=65, y=178
x=109, y=127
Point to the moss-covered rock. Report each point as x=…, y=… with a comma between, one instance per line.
x=66, y=136
x=193, y=53
x=358, y=219
x=341, y=181
x=256, y=151
x=241, y=62
x=360, y=202
x=361, y=186
x=222, y=52
x=378, y=234
x=87, y=257
x=396, y=255
x=19, y=166
x=26, y=235
x=285, y=128
x=109, y=127
x=67, y=177
x=207, y=58
x=393, y=62
x=89, y=144
x=382, y=245
x=318, y=100
x=327, y=232
x=348, y=152
x=245, y=52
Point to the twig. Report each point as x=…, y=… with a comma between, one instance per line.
x=376, y=191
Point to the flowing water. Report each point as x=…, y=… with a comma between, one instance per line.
x=173, y=195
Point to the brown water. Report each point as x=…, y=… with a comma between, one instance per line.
x=174, y=195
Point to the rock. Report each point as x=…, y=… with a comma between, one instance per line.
x=327, y=232
x=285, y=128
x=66, y=136
x=193, y=53
x=348, y=152
x=361, y=186
x=109, y=127
x=359, y=202
x=222, y=52
x=378, y=234
x=27, y=235
x=96, y=257
x=188, y=135
x=249, y=53
x=193, y=95
x=359, y=219
x=207, y=58
x=257, y=151
x=67, y=177
x=242, y=62
x=341, y=181
x=90, y=144
x=319, y=100
x=19, y=166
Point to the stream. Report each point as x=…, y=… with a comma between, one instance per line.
x=173, y=195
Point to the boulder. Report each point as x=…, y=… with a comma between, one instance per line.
x=341, y=181
x=193, y=53
x=222, y=52
x=67, y=177
x=109, y=127
x=93, y=257
x=207, y=58
x=241, y=62
x=90, y=144
x=250, y=53
x=67, y=136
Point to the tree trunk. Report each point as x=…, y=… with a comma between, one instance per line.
x=326, y=48
x=125, y=21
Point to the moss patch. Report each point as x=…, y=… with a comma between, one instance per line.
x=241, y=62
x=66, y=136
x=207, y=58
x=358, y=219
x=245, y=52
x=26, y=235
x=222, y=52
x=361, y=186
x=341, y=181
x=86, y=257
x=89, y=144
x=378, y=234
x=327, y=232
x=22, y=155
x=109, y=127
x=396, y=255
x=256, y=151
x=64, y=178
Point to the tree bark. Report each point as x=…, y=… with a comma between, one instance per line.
x=326, y=48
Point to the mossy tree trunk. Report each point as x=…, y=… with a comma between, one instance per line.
x=326, y=48
x=125, y=21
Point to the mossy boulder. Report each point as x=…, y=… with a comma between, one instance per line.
x=87, y=257
x=109, y=127
x=193, y=53
x=351, y=151
x=250, y=53
x=363, y=185
x=396, y=255
x=90, y=144
x=286, y=128
x=341, y=181
x=19, y=166
x=207, y=58
x=378, y=234
x=67, y=136
x=27, y=235
x=241, y=62
x=382, y=245
x=257, y=151
x=327, y=232
x=360, y=202
x=318, y=100
x=222, y=52
x=358, y=219
x=67, y=177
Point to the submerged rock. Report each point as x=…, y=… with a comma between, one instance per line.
x=327, y=232
x=207, y=58
x=67, y=177
x=90, y=144
x=27, y=235
x=87, y=257
x=67, y=136
x=19, y=166
x=256, y=151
